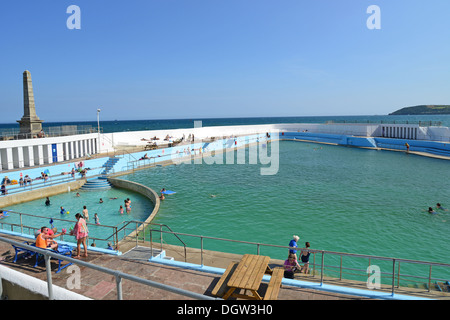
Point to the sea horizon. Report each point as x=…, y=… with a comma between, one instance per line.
x=205, y=118
x=118, y=125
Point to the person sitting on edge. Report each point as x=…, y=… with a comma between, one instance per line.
x=45, y=241
x=290, y=266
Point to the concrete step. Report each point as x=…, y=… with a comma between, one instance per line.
x=97, y=184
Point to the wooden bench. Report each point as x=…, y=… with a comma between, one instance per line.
x=274, y=284
x=221, y=286
x=150, y=146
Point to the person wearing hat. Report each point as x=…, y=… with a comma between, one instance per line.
x=293, y=244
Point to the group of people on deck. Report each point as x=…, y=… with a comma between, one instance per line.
x=291, y=264
x=46, y=238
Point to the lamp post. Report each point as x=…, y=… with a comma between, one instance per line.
x=98, y=128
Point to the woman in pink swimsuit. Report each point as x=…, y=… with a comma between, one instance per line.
x=80, y=231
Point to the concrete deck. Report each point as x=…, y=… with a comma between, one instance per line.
x=100, y=286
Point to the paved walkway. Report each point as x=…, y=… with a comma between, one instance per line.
x=100, y=286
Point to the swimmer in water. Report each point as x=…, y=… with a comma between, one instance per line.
x=438, y=206
x=430, y=210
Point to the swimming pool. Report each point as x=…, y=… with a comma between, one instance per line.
x=108, y=211
x=337, y=198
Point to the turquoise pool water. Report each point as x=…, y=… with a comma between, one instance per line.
x=108, y=211
x=339, y=199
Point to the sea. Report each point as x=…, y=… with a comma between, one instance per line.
x=138, y=125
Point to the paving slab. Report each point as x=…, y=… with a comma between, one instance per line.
x=100, y=286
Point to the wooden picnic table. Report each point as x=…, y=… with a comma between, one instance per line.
x=248, y=276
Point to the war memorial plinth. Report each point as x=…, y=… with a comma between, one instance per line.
x=30, y=124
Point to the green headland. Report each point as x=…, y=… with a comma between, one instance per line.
x=423, y=109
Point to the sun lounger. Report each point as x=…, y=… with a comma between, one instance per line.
x=26, y=253
x=62, y=249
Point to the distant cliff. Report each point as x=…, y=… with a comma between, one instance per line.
x=431, y=109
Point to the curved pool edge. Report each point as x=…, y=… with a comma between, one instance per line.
x=143, y=190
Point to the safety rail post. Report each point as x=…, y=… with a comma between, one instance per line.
x=21, y=224
x=393, y=276
x=116, y=240
x=314, y=264
x=136, y=232
x=322, y=268
x=161, y=236
x=201, y=251
x=429, y=279
x=151, y=242
x=49, y=276
x=119, y=286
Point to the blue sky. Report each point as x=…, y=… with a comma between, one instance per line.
x=165, y=59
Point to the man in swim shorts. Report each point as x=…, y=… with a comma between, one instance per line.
x=45, y=241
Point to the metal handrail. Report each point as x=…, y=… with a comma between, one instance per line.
x=126, y=223
x=22, y=226
x=118, y=274
x=395, y=261
x=41, y=183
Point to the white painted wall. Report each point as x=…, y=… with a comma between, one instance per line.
x=23, y=153
x=37, y=286
x=16, y=154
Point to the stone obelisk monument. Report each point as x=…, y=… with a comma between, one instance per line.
x=30, y=124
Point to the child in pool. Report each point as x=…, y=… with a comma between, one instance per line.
x=97, y=221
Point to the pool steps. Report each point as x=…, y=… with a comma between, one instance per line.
x=108, y=165
x=146, y=254
x=95, y=184
x=101, y=183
